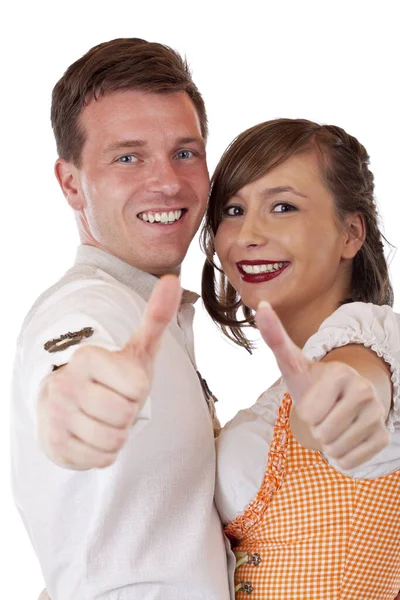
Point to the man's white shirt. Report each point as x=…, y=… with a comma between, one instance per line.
x=145, y=528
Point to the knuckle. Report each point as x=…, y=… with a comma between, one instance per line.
x=55, y=432
x=87, y=457
x=340, y=371
x=52, y=411
x=141, y=389
x=52, y=386
x=57, y=443
x=60, y=386
x=57, y=408
x=324, y=436
x=303, y=411
x=106, y=460
x=335, y=449
x=384, y=438
x=348, y=380
x=332, y=451
x=116, y=439
x=87, y=402
x=366, y=389
x=80, y=355
x=377, y=420
x=128, y=415
x=346, y=463
x=85, y=355
x=373, y=413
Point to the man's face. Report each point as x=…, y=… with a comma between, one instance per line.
x=143, y=183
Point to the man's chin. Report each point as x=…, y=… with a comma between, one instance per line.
x=159, y=271
x=160, y=268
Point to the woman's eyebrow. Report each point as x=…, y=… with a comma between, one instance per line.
x=268, y=192
x=274, y=191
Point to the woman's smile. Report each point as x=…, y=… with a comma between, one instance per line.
x=258, y=271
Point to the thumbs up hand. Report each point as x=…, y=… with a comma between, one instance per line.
x=85, y=409
x=337, y=408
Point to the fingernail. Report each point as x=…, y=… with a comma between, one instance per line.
x=263, y=304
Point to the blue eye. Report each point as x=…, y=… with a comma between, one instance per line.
x=284, y=207
x=232, y=211
x=127, y=159
x=185, y=154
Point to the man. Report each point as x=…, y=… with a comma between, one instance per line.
x=95, y=386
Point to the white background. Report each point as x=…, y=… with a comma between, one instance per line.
x=335, y=62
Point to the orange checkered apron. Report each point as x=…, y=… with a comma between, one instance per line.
x=313, y=533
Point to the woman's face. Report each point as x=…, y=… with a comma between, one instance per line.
x=279, y=240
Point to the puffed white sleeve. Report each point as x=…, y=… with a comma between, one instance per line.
x=242, y=454
x=91, y=313
x=377, y=328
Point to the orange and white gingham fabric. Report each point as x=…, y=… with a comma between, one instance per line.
x=320, y=535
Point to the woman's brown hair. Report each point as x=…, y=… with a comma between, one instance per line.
x=344, y=165
x=121, y=64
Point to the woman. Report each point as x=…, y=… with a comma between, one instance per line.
x=308, y=481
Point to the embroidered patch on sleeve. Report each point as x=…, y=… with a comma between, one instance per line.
x=68, y=339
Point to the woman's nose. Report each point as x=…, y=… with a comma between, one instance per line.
x=252, y=232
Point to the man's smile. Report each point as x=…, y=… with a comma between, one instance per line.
x=163, y=217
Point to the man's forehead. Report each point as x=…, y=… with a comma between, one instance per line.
x=140, y=100
x=136, y=113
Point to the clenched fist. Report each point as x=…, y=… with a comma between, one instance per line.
x=339, y=406
x=85, y=409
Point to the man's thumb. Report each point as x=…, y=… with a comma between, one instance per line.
x=161, y=308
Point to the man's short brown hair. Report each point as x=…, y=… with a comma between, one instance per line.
x=121, y=64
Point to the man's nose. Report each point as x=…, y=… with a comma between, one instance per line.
x=163, y=178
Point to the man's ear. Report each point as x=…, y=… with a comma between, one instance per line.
x=355, y=232
x=68, y=177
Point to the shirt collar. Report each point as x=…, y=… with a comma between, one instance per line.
x=141, y=282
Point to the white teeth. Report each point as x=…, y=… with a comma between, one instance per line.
x=266, y=268
x=163, y=217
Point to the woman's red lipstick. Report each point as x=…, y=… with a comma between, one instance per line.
x=261, y=277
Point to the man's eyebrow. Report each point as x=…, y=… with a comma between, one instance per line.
x=190, y=140
x=132, y=144
x=124, y=144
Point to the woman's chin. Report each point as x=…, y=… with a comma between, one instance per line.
x=253, y=301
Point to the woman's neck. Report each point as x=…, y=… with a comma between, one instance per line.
x=301, y=322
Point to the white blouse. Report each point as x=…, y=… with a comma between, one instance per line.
x=243, y=444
